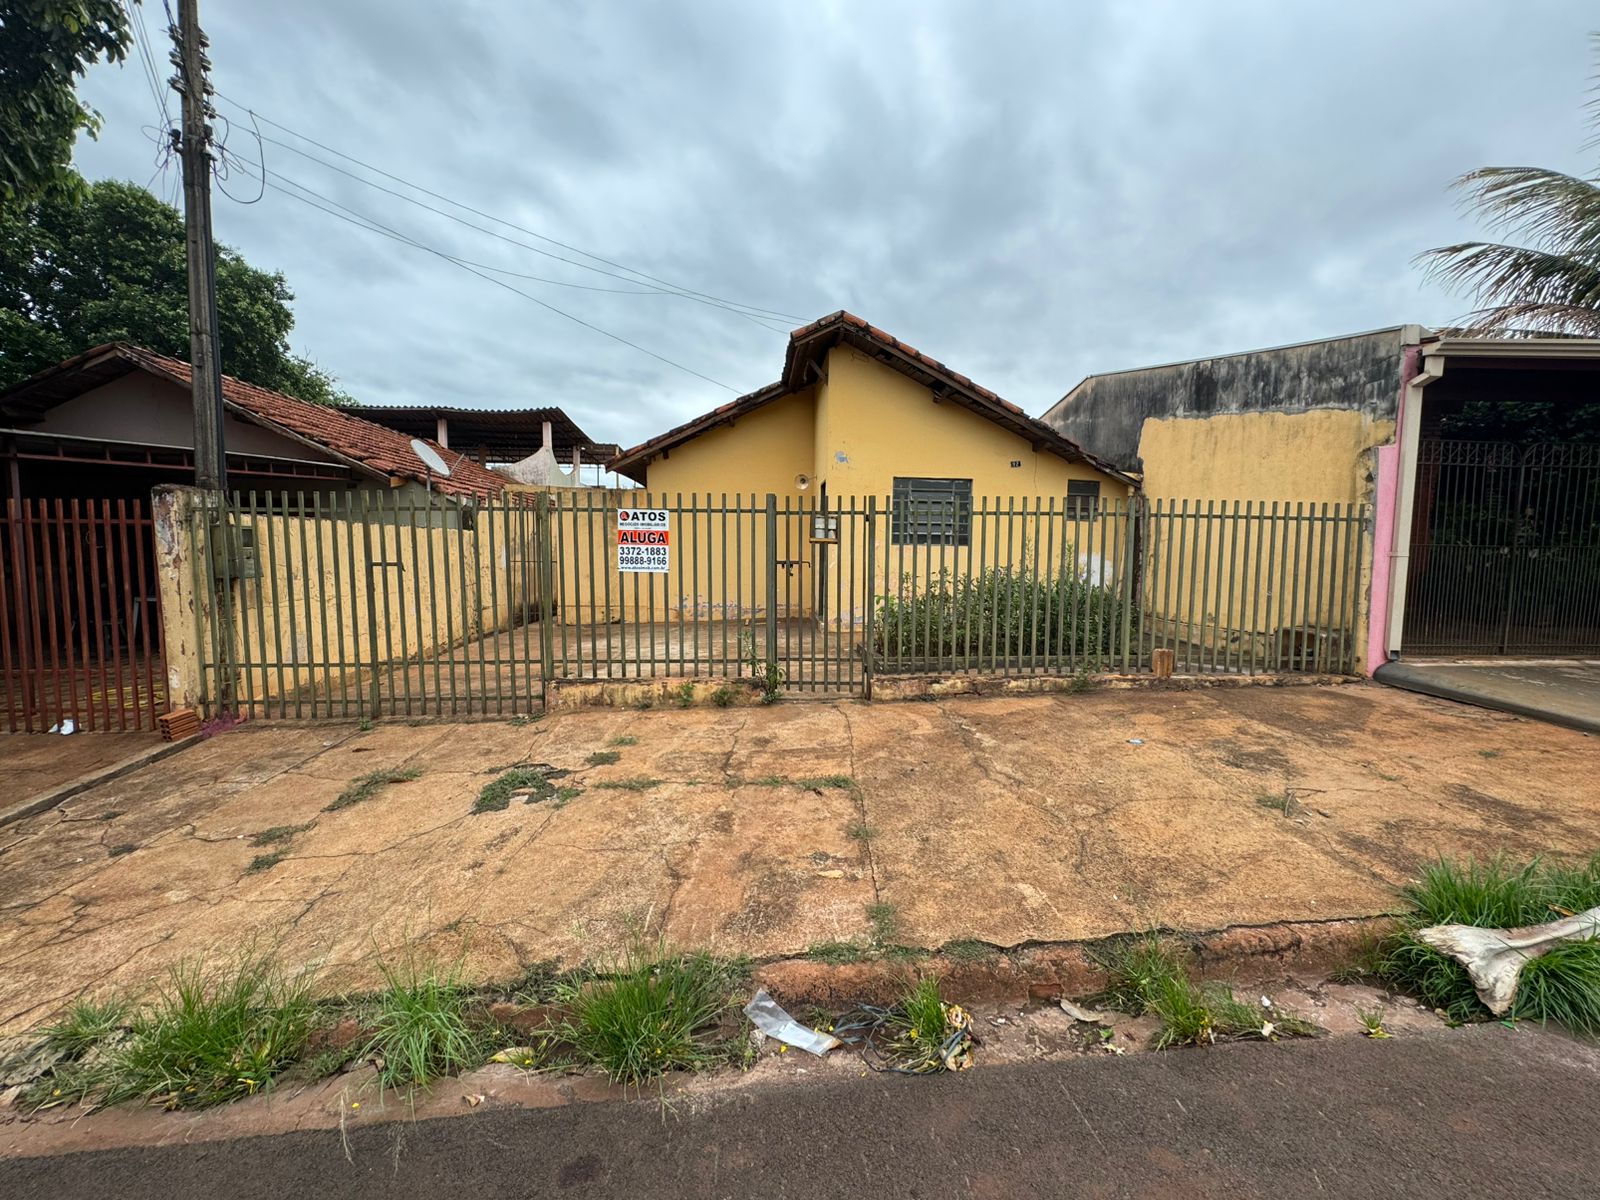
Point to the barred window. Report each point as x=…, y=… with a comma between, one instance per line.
x=1083, y=497
x=931, y=512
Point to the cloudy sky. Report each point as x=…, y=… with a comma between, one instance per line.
x=1030, y=192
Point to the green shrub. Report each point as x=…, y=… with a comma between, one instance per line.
x=998, y=612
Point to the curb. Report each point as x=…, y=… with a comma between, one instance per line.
x=48, y=800
x=1243, y=955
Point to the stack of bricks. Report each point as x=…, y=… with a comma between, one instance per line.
x=182, y=723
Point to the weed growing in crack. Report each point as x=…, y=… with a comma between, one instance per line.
x=969, y=950
x=1147, y=977
x=265, y=862
x=818, y=783
x=836, y=953
x=279, y=833
x=1488, y=754
x=625, y=740
x=649, y=1014
x=1372, y=1022
x=421, y=1027
x=86, y=1024
x=885, y=918
x=1082, y=681
x=1282, y=802
x=121, y=848
x=365, y=726
x=641, y=783
x=495, y=795
x=212, y=1034
x=367, y=786
x=860, y=831
x=566, y=795
x=684, y=694
x=603, y=758
x=723, y=696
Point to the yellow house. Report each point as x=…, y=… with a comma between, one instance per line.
x=859, y=413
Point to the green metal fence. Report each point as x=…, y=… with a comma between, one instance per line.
x=359, y=605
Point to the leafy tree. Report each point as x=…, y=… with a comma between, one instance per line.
x=105, y=263
x=44, y=46
x=1551, y=285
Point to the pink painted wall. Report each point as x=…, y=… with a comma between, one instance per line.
x=1385, y=517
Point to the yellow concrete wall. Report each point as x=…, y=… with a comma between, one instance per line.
x=878, y=424
x=1316, y=458
x=1307, y=457
x=760, y=452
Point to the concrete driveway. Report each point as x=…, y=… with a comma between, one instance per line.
x=1009, y=820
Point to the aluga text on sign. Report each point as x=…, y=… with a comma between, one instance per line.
x=644, y=540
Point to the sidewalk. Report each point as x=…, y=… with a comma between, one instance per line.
x=764, y=831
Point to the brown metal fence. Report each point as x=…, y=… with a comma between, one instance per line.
x=80, y=621
x=370, y=605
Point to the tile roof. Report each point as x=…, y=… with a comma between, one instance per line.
x=811, y=342
x=380, y=450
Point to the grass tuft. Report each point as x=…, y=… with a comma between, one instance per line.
x=1563, y=985
x=265, y=862
x=640, y=783
x=820, y=782
x=603, y=758
x=279, y=833
x=625, y=740
x=367, y=786
x=121, y=848
x=969, y=950
x=836, y=953
x=860, y=831
x=495, y=795
x=1147, y=977
x=211, y=1035
x=885, y=918
x=420, y=1025
x=649, y=1014
x=86, y=1024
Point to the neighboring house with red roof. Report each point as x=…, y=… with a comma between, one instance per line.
x=857, y=412
x=116, y=420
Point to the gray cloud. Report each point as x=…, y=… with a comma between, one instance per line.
x=1029, y=192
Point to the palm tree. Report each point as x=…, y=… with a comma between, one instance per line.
x=1550, y=284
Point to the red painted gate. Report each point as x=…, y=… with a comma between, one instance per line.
x=80, y=618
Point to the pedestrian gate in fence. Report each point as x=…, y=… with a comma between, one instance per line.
x=358, y=606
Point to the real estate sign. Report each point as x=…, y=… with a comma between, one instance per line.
x=644, y=537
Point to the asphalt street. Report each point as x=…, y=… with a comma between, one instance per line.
x=1482, y=1112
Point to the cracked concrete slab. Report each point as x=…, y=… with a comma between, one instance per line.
x=1009, y=820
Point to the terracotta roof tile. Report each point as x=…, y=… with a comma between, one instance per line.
x=374, y=446
x=821, y=334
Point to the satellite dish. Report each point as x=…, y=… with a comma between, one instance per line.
x=430, y=458
x=802, y=482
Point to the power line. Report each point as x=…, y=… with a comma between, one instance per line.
x=147, y=61
x=665, y=291
x=365, y=222
x=679, y=289
x=243, y=165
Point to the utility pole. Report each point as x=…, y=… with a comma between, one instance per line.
x=194, y=147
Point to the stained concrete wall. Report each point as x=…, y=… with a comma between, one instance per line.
x=1107, y=414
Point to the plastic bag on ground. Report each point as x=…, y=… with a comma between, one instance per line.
x=767, y=1015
